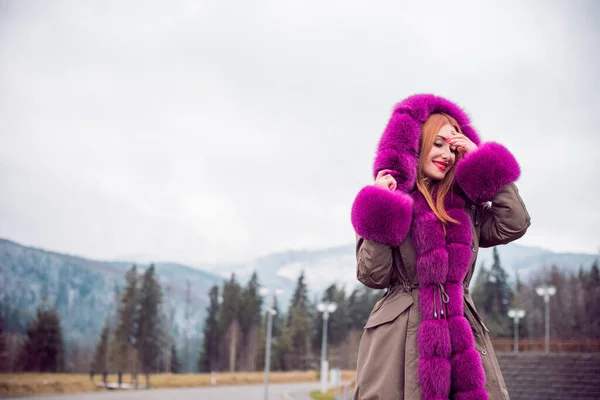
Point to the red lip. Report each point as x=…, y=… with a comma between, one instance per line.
x=442, y=166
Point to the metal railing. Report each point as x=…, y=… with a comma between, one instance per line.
x=556, y=345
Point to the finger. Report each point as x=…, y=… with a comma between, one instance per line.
x=457, y=141
x=383, y=172
x=393, y=183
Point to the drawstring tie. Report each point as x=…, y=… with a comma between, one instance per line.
x=444, y=299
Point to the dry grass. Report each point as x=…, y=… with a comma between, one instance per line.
x=34, y=384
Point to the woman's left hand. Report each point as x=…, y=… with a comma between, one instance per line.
x=463, y=144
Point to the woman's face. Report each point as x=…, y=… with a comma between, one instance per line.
x=442, y=156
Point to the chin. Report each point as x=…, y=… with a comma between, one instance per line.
x=437, y=176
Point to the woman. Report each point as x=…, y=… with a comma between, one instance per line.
x=419, y=228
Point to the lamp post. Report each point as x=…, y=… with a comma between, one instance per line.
x=326, y=308
x=270, y=314
x=546, y=291
x=516, y=314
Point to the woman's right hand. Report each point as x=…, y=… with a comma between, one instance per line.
x=385, y=180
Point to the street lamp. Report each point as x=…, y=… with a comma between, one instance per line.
x=326, y=308
x=516, y=314
x=546, y=291
x=270, y=314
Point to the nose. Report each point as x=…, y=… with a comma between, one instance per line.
x=448, y=154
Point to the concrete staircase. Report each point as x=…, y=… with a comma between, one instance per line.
x=567, y=376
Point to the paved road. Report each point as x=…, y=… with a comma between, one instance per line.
x=299, y=391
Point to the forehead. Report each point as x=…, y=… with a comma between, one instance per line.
x=446, y=131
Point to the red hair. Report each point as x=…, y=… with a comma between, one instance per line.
x=429, y=131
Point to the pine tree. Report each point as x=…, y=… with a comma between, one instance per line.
x=276, y=339
x=100, y=361
x=360, y=304
x=493, y=296
x=299, y=326
x=4, y=367
x=229, y=326
x=249, y=316
x=126, y=324
x=209, y=354
x=498, y=282
x=479, y=294
x=43, y=348
x=175, y=364
x=282, y=349
x=188, y=303
x=339, y=321
x=592, y=300
x=148, y=337
x=277, y=318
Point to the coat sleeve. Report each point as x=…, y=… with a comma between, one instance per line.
x=505, y=220
x=373, y=263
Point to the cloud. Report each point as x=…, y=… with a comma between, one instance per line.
x=199, y=131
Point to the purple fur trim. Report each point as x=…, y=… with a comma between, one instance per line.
x=426, y=294
x=421, y=106
x=458, y=255
x=467, y=371
x=429, y=235
x=381, y=215
x=455, y=292
x=456, y=233
x=434, y=375
x=461, y=334
x=434, y=336
x=482, y=173
x=479, y=394
x=443, y=260
x=403, y=166
x=431, y=266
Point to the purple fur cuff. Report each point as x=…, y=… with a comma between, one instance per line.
x=382, y=215
x=482, y=173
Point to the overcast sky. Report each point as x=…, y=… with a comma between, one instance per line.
x=215, y=131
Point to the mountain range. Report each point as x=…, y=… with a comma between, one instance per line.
x=84, y=290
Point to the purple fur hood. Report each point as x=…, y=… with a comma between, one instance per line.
x=385, y=216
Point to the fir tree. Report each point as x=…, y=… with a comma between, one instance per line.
x=100, y=361
x=299, y=326
x=125, y=333
x=592, y=300
x=493, y=296
x=209, y=354
x=43, y=347
x=339, y=321
x=360, y=304
x=300, y=297
x=282, y=349
x=277, y=318
x=148, y=335
x=250, y=317
x=229, y=326
x=175, y=364
x=479, y=295
x=3, y=348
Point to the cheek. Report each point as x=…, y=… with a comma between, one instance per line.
x=433, y=153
